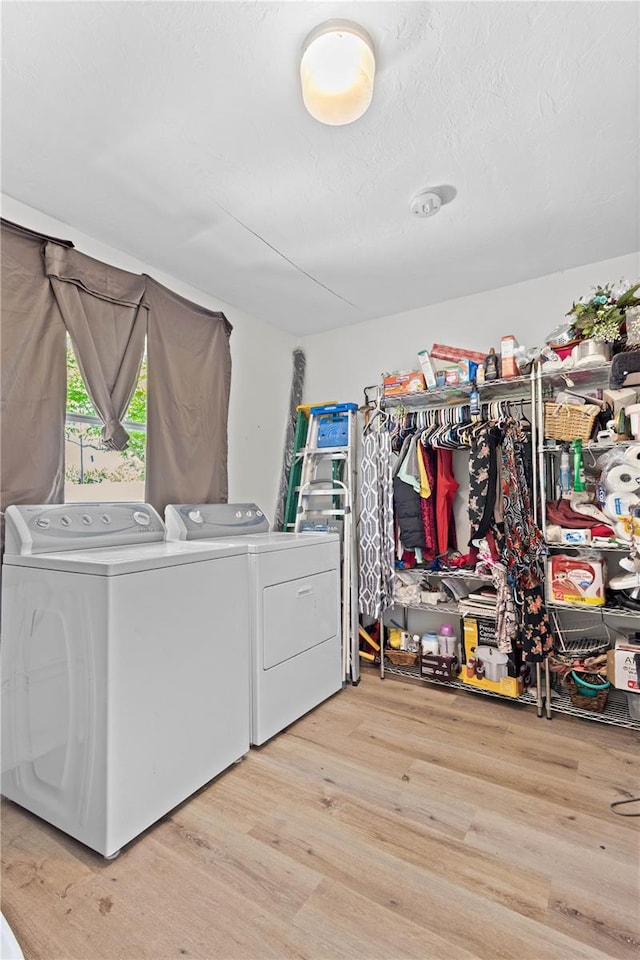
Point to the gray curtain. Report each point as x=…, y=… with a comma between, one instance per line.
x=189, y=379
x=32, y=373
x=105, y=312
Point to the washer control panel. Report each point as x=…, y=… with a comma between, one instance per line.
x=199, y=521
x=49, y=528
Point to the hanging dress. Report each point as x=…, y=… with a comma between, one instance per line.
x=446, y=489
x=524, y=547
x=376, y=525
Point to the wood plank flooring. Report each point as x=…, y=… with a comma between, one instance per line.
x=395, y=821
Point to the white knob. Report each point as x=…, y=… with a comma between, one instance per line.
x=249, y=513
x=143, y=519
x=42, y=522
x=105, y=518
x=195, y=516
x=65, y=521
x=259, y=513
x=86, y=519
x=238, y=514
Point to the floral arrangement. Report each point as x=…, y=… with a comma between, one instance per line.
x=602, y=315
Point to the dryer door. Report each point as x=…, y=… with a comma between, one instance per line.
x=298, y=615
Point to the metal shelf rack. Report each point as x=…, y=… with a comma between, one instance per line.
x=615, y=713
x=537, y=388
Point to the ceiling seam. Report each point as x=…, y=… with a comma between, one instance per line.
x=284, y=257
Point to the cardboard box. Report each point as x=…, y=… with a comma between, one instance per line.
x=626, y=667
x=467, y=371
x=440, y=351
x=427, y=368
x=479, y=634
x=398, y=383
x=509, y=367
x=435, y=667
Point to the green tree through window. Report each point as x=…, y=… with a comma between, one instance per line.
x=83, y=429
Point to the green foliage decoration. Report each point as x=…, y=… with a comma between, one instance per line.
x=602, y=315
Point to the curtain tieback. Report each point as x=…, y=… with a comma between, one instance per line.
x=114, y=435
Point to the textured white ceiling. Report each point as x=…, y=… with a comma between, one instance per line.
x=175, y=131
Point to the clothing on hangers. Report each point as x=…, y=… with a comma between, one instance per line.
x=524, y=549
x=446, y=489
x=428, y=504
x=376, y=528
x=483, y=477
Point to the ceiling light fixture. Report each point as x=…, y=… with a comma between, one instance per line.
x=337, y=71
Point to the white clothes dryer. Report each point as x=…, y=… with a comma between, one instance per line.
x=294, y=608
x=124, y=665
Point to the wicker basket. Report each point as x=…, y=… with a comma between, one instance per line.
x=596, y=704
x=401, y=658
x=569, y=421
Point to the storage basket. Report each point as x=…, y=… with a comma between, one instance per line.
x=401, y=658
x=569, y=421
x=596, y=704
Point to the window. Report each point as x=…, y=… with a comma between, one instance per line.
x=91, y=471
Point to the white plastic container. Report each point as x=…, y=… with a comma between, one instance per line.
x=447, y=641
x=429, y=643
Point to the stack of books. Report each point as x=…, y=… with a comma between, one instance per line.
x=480, y=603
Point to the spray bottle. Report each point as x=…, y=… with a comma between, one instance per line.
x=579, y=482
x=564, y=478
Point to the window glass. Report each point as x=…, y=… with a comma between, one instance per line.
x=91, y=471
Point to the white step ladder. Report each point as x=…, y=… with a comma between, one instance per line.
x=326, y=502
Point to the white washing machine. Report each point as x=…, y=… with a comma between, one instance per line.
x=294, y=593
x=124, y=665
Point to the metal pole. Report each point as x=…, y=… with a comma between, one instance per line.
x=547, y=688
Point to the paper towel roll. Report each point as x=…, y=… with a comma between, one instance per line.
x=622, y=478
x=618, y=505
x=632, y=454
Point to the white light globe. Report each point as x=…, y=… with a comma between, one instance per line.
x=337, y=72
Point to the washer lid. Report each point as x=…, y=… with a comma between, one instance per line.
x=131, y=558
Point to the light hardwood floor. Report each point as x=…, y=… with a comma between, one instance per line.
x=395, y=821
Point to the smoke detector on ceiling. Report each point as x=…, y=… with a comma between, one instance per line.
x=426, y=204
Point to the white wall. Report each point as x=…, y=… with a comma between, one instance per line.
x=341, y=363
x=262, y=367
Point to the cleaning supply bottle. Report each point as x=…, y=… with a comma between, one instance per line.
x=579, y=482
x=564, y=478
